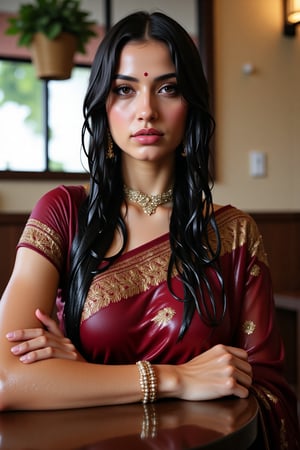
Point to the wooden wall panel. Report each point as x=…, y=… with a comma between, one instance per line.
x=281, y=235
x=11, y=226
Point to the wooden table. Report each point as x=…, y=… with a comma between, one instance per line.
x=229, y=423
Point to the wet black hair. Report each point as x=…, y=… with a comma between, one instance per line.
x=192, y=214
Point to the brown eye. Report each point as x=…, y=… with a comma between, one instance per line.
x=170, y=89
x=123, y=90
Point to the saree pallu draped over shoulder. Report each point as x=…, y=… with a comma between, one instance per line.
x=130, y=314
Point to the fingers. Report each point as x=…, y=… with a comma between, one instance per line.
x=237, y=383
x=49, y=323
x=237, y=361
x=31, y=333
x=36, y=344
x=44, y=347
x=43, y=341
x=47, y=353
x=220, y=371
x=239, y=353
x=23, y=335
x=236, y=370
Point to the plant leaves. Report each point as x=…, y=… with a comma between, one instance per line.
x=54, y=30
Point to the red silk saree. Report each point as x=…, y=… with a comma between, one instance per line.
x=129, y=313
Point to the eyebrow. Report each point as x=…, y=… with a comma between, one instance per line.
x=166, y=76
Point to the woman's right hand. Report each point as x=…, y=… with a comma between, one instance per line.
x=36, y=344
x=220, y=371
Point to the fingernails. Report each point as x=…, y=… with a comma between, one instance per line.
x=15, y=350
x=25, y=358
x=10, y=335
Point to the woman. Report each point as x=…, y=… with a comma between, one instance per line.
x=160, y=293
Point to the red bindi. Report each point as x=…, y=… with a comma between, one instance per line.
x=145, y=74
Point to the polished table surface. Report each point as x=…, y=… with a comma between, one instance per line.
x=228, y=423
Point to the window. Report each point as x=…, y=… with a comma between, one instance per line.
x=24, y=103
x=65, y=122
x=40, y=122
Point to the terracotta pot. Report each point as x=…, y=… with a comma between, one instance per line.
x=53, y=59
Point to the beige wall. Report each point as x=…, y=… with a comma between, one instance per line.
x=259, y=111
x=253, y=112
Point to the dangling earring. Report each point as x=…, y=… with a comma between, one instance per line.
x=110, y=154
x=183, y=153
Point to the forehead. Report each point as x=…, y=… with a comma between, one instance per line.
x=150, y=56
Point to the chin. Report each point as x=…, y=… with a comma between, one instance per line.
x=149, y=154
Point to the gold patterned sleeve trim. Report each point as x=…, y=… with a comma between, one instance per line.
x=44, y=239
x=237, y=229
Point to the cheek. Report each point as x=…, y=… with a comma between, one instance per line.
x=117, y=117
x=177, y=117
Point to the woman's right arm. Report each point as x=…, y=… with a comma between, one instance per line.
x=51, y=383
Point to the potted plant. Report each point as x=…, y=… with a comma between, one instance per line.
x=47, y=26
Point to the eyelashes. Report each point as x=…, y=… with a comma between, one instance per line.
x=169, y=89
x=123, y=90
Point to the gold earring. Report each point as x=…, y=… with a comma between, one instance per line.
x=110, y=154
x=183, y=153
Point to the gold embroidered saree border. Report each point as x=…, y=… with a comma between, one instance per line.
x=267, y=401
x=135, y=274
x=43, y=238
x=129, y=276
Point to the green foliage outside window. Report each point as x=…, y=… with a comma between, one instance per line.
x=19, y=85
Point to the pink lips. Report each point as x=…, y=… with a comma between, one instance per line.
x=147, y=132
x=147, y=136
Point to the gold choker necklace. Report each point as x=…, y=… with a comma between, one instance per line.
x=148, y=203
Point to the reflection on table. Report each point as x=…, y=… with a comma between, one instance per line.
x=220, y=424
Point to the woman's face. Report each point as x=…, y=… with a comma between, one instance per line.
x=145, y=110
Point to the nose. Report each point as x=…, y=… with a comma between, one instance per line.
x=146, y=107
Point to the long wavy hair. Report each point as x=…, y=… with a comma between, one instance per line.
x=192, y=213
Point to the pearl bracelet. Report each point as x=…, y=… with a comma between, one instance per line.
x=148, y=381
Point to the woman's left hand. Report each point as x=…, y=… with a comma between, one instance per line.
x=36, y=344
